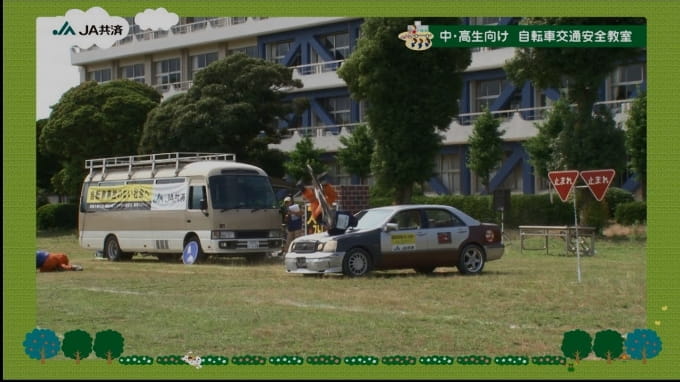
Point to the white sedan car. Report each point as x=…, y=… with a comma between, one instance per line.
x=421, y=237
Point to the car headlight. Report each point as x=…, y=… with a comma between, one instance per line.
x=329, y=246
x=216, y=235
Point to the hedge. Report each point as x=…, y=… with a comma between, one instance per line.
x=57, y=216
x=631, y=213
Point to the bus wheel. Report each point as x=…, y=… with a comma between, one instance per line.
x=193, y=254
x=112, y=250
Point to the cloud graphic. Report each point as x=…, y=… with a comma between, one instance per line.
x=155, y=19
x=92, y=27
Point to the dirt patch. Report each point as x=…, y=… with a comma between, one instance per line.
x=618, y=230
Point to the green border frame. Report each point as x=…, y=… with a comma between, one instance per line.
x=663, y=285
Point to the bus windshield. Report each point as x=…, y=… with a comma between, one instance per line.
x=234, y=191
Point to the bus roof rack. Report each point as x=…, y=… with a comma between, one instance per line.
x=151, y=161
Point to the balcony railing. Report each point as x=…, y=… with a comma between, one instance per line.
x=317, y=68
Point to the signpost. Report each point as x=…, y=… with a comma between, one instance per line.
x=597, y=181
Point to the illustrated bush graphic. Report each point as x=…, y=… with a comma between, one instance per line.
x=216, y=360
x=286, y=360
x=608, y=344
x=77, y=344
x=361, y=360
x=248, y=360
x=41, y=344
x=643, y=344
x=436, y=360
x=474, y=360
x=108, y=344
x=170, y=360
x=576, y=344
x=398, y=360
x=135, y=360
x=514, y=360
x=324, y=360
x=549, y=360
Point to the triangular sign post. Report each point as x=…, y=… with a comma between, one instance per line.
x=598, y=181
x=563, y=181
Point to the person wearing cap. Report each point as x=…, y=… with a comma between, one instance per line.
x=48, y=262
x=293, y=220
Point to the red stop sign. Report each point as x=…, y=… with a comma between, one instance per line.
x=563, y=181
x=598, y=181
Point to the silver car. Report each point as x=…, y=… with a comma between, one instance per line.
x=422, y=237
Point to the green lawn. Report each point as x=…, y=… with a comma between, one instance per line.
x=521, y=304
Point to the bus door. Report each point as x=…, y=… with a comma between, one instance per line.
x=197, y=218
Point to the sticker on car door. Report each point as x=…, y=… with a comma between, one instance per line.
x=403, y=242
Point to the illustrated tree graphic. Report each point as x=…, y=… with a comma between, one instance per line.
x=77, y=344
x=41, y=344
x=577, y=344
x=643, y=344
x=608, y=344
x=108, y=344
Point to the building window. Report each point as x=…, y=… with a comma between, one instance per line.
x=626, y=80
x=277, y=51
x=250, y=51
x=168, y=71
x=238, y=20
x=133, y=72
x=200, y=61
x=338, y=108
x=101, y=75
x=486, y=93
x=485, y=20
x=447, y=167
x=337, y=44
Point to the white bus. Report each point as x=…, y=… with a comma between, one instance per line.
x=178, y=206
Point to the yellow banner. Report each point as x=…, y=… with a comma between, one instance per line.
x=403, y=238
x=120, y=194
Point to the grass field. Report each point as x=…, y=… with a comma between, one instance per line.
x=520, y=305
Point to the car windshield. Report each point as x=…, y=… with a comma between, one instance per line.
x=373, y=218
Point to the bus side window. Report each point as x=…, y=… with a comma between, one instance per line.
x=196, y=194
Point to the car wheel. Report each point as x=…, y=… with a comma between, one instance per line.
x=424, y=270
x=356, y=262
x=471, y=260
x=193, y=254
x=112, y=250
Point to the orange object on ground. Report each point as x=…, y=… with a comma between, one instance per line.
x=48, y=262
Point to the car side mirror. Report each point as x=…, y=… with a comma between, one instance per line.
x=390, y=227
x=204, y=205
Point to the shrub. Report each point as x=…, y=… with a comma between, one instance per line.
x=616, y=196
x=631, y=213
x=57, y=216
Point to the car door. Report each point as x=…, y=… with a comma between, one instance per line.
x=444, y=232
x=403, y=246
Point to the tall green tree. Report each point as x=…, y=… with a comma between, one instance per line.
x=411, y=98
x=577, y=344
x=584, y=69
x=486, y=147
x=94, y=120
x=77, y=344
x=233, y=106
x=47, y=165
x=108, y=344
x=304, y=153
x=356, y=154
x=608, y=344
x=636, y=140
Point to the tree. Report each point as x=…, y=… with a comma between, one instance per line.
x=411, y=97
x=94, y=120
x=304, y=153
x=643, y=344
x=486, y=147
x=576, y=344
x=77, y=344
x=233, y=106
x=584, y=69
x=357, y=153
x=108, y=344
x=41, y=344
x=47, y=165
x=608, y=344
x=636, y=140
